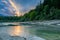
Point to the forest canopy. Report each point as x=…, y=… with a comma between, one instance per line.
x=48, y=10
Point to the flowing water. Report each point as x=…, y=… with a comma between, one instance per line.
x=47, y=30
x=17, y=31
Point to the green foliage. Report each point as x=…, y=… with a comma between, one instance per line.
x=48, y=10
x=9, y=19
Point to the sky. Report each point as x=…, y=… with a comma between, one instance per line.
x=17, y=7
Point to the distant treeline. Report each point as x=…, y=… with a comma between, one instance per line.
x=9, y=19
x=48, y=10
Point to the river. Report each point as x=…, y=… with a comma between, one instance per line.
x=38, y=30
x=18, y=31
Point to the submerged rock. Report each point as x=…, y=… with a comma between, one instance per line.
x=1, y=38
x=34, y=38
x=16, y=38
x=4, y=36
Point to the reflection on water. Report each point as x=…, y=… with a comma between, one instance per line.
x=16, y=31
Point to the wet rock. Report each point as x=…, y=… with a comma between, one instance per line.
x=4, y=36
x=16, y=38
x=1, y=38
x=34, y=38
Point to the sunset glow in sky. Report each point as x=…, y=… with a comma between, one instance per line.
x=17, y=13
x=16, y=7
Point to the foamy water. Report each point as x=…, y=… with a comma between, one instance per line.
x=17, y=33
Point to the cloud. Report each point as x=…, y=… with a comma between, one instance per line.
x=5, y=2
x=17, y=7
x=27, y=5
x=13, y=4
